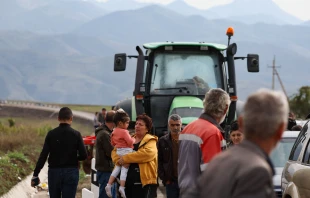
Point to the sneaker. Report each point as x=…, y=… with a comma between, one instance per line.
x=108, y=191
x=122, y=191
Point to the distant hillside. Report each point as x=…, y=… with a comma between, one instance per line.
x=243, y=8
x=257, y=18
x=55, y=17
x=117, y=5
x=132, y=26
x=181, y=7
x=63, y=16
x=10, y=8
x=77, y=67
x=55, y=45
x=66, y=71
x=160, y=24
x=306, y=23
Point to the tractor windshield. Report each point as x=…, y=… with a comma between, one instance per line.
x=188, y=73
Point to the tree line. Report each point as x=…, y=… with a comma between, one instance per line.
x=300, y=102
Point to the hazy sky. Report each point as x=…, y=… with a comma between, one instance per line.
x=298, y=8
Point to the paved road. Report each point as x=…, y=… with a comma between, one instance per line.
x=161, y=193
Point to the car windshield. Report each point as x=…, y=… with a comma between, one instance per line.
x=281, y=153
x=190, y=73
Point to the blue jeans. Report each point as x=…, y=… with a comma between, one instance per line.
x=62, y=182
x=103, y=178
x=173, y=190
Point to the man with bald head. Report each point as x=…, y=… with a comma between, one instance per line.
x=104, y=164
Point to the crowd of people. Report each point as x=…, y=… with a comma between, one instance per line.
x=193, y=162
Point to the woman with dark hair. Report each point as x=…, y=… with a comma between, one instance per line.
x=141, y=179
x=236, y=136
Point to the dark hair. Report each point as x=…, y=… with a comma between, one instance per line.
x=147, y=120
x=65, y=113
x=296, y=128
x=291, y=114
x=103, y=109
x=234, y=126
x=120, y=116
x=290, y=124
x=109, y=116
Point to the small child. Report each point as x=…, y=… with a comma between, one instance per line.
x=123, y=142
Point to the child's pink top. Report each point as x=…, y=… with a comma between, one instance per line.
x=121, y=138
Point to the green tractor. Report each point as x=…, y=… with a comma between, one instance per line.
x=173, y=77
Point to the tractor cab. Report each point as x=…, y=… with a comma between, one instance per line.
x=173, y=77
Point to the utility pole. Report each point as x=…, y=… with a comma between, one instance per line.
x=275, y=72
x=281, y=83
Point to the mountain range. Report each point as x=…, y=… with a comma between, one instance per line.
x=63, y=51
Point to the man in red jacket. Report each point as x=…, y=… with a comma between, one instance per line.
x=201, y=140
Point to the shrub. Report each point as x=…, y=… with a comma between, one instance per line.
x=42, y=131
x=11, y=122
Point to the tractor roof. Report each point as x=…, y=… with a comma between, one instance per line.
x=160, y=44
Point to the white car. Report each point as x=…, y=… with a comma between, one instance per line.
x=280, y=155
x=301, y=122
x=296, y=173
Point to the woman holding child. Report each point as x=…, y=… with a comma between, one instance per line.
x=141, y=181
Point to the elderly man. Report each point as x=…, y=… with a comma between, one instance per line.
x=245, y=170
x=201, y=140
x=168, y=149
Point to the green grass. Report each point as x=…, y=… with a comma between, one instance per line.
x=44, y=124
x=76, y=107
x=85, y=108
x=19, y=152
x=18, y=156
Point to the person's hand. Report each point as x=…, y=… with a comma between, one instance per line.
x=35, y=181
x=168, y=182
x=120, y=161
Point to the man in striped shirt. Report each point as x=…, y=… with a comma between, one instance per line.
x=201, y=140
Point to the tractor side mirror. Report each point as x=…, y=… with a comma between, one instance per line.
x=120, y=62
x=253, y=63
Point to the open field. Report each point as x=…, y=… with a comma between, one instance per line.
x=52, y=123
x=84, y=108
x=76, y=107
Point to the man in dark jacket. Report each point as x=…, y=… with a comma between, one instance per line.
x=168, y=149
x=104, y=164
x=64, y=147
